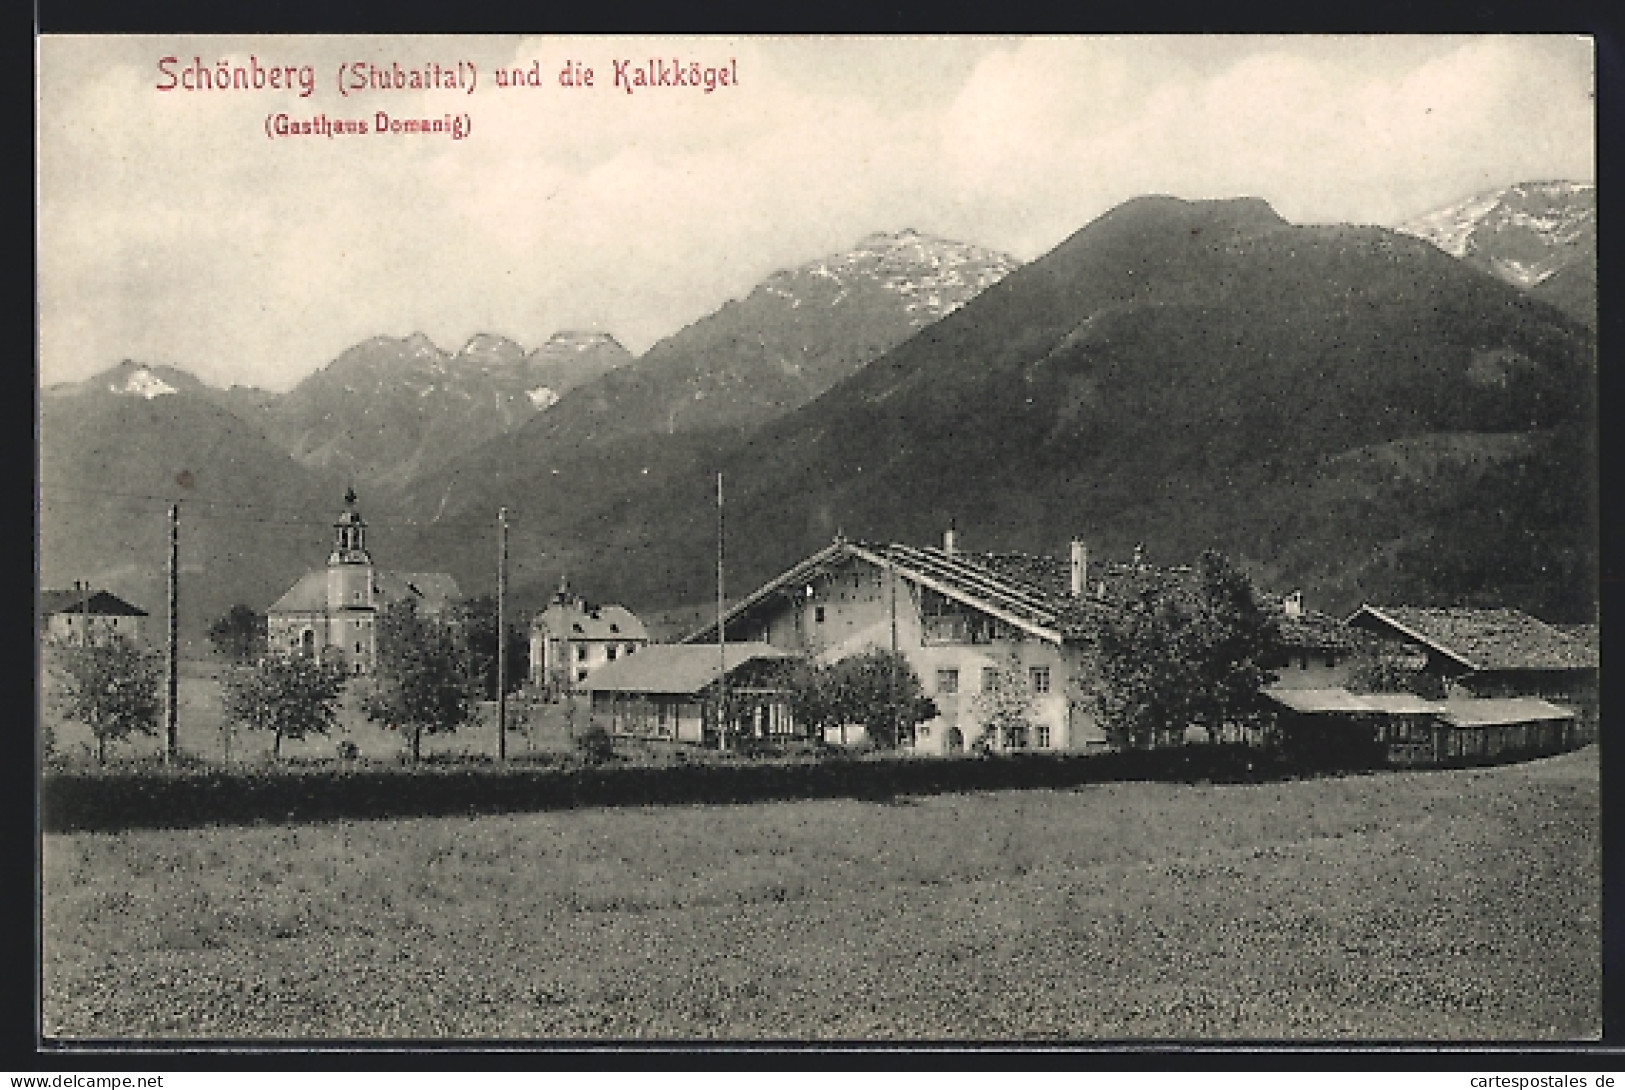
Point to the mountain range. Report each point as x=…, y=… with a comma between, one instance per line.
x=1366, y=414
x=1539, y=236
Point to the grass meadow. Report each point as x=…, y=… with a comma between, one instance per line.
x=1453, y=905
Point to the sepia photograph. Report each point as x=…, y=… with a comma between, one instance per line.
x=817, y=540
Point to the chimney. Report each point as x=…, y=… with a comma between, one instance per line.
x=948, y=540
x=1080, y=568
x=1293, y=604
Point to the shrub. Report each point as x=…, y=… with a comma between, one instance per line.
x=595, y=744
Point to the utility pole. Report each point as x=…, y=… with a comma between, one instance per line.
x=722, y=640
x=170, y=734
x=84, y=613
x=891, y=667
x=502, y=634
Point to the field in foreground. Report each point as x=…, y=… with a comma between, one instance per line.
x=1437, y=905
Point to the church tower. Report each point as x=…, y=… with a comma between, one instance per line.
x=349, y=565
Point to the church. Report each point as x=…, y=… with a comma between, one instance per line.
x=334, y=609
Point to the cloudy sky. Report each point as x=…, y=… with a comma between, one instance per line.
x=173, y=230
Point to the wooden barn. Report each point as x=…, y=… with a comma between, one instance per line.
x=1337, y=727
x=668, y=692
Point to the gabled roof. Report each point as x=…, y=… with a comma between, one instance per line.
x=1309, y=629
x=676, y=669
x=1031, y=592
x=433, y=591
x=1482, y=639
x=1588, y=634
x=100, y=603
x=960, y=577
x=574, y=620
x=308, y=595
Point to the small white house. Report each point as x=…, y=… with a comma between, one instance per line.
x=572, y=637
x=80, y=614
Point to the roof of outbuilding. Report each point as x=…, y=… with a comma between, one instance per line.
x=1483, y=639
x=676, y=669
x=1463, y=712
x=1490, y=712
x=99, y=603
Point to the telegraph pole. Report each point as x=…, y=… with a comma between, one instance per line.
x=722, y=640
x=502, y=634
x=170, y=733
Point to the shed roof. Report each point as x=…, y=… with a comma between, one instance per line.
x=1489, y=712
x=678, y=669
x=1318, y=701
x=1483, y=639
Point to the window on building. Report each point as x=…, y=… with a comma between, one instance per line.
x=1331, y=659
x=358, y=647
x=1303, y=662
x=581, y=675
x=818, y=614
x=948, y=682
x=1041, y=736
x=631, y=647
x=581, y=652
x=1040, y=677
x=611, y=651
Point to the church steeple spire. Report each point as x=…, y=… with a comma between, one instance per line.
x=349, y=535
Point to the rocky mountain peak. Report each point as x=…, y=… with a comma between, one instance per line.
x=933, y=275
x=1539, y=236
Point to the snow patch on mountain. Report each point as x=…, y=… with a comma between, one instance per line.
x=144, y=384
x=542, y=397
x=933, y=276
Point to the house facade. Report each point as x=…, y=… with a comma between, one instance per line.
x=1317, y=648
x=80, y=614
x=333, y=611
x=966, y=623
x=571, y=638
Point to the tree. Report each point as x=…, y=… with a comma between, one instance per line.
x=478, y=618
x=1004, y=706
x=291, y=695
x=423, y=681
x=1231, y=638
x=877, y=690
x=239, y=636
x=110, y=686
x=1175, y=650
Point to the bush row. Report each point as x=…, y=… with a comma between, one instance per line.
x=125, y=799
